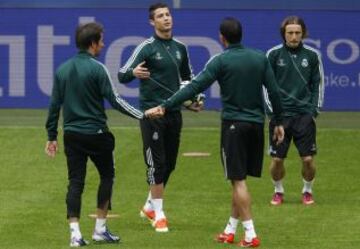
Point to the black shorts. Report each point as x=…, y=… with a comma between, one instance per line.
x=161, y=140
x=242, y=149
x=302, y=129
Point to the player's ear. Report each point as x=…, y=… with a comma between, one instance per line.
x=222, y=39
x=151, y=21
x=93, y=45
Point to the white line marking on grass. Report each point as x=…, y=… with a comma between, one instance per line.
x=196, y=154
x=110, y=216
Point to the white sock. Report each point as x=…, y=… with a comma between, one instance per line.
x=75, y=230
x=231, y=225
x=100, y=225
x=307, y=186
x=158, y=208
x=249, y=230
x=148, y=205
x=278, y=186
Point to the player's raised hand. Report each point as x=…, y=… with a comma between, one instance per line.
x=141, y=72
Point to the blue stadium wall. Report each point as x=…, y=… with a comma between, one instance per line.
x=35, y=41
x=189, y=4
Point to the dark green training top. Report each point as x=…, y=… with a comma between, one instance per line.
x=80, y=86
x=168, y=64
x=299, y=74
x=241, y=73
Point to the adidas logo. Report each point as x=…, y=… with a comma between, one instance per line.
x=271, y=150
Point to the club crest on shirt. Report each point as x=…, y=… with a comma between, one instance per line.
x=304, y=63
x=281, y=63
x=178, y=55
x=158, y=56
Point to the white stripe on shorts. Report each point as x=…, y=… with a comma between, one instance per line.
x=151, y=169
x=224, y=160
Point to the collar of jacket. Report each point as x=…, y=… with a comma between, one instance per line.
x=162, y=39
x=294, y=50
x=235, y=45
x=84, y=52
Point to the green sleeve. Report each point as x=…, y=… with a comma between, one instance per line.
x=109, y=92
x=273, y=91
x=317, y=86
x=57, y=98
x=272, y=60
x=185, y=69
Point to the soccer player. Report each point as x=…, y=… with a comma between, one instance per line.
x=241, y=73
x=299, y=73
x=161, y=63
x=80, y=86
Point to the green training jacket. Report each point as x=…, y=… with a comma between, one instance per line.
x=80, y=86
x=300, y=77
x=241, y=73
x=168, y=64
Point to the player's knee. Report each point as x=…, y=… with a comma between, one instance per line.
x=156, y=180
x=307, y=160
x=76, y=186
x=107, y=171
x=277, y=162
x=155, y=176
x=169, y=170
x=107, y=176
x=106, y=183
x=239, y=183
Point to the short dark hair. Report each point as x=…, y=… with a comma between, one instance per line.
x=231, y=29
x=88, y=33
x=293, y=20
x=154, y=7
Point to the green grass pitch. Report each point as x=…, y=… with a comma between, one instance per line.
x=197, y=200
